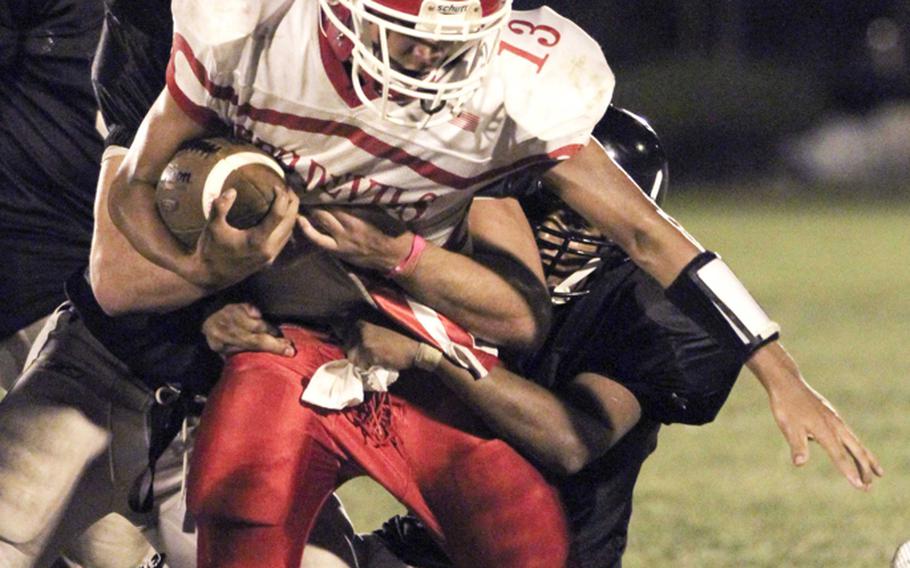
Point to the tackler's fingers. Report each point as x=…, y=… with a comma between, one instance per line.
x=327, y=221
x=798, y=442
x=268, y=343
x=864, y=460
x=317, y=237
x=251, y=310
x=841, y=458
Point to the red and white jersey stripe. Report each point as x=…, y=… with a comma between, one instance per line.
x=456, y=343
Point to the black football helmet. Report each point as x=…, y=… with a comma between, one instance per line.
x=569, y=248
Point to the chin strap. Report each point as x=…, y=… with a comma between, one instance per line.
x=709, y=293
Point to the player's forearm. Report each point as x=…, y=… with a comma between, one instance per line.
x=133, y=211
x=774, y=369
x=559, y=437
x=512, y=312
x=124, y=281
x=595, y=187
x=698, y=282
x=131, y=204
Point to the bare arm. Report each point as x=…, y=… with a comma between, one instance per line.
x=596, y=188
x=555, y=433
x=123, y=280
x=132, y=194
x=498, y=294
x=223, y=255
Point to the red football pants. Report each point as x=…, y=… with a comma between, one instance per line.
x=264, y=463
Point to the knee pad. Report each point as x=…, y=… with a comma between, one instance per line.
x=496, y=509
x=45, y=451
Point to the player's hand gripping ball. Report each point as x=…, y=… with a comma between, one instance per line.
x=201, y=170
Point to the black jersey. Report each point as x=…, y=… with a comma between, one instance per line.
x=129, y=69
x=626, y=329
x=49, y=151
x=158, y=349
x=598, y=499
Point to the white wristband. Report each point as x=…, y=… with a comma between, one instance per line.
x=709, y=292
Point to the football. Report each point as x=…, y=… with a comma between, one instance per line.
x=201, y=170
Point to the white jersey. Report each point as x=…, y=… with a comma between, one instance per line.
x=269, y=72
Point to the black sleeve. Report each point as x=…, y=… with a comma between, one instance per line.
x=129, y=69
x=49, y=151
x=626, y=329
x=598, y=499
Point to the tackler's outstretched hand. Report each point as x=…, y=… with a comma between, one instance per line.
x=226, y=255
x=804, y=415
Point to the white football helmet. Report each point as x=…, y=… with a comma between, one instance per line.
x=463, y=35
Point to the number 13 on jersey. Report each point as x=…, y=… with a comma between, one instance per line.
x=546, y=36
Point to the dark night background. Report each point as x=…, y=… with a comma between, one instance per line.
x=819, y=91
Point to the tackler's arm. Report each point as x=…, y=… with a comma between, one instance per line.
x=497, y=293
x=122, y=280
x=552, y=431
x=701, y=285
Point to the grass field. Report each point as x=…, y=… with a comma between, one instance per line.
x=836, y=276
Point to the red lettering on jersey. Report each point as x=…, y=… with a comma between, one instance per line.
x=333, y=188
x=355, y=188
x=287, y=158
x=413, y=211
x=345, y=186
x=383, y=189
x=315, y=167
x=526, y=55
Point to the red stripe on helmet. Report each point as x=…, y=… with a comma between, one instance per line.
x=412, y=7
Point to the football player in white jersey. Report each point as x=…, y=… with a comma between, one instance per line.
x=412, y=105
x=523, y=91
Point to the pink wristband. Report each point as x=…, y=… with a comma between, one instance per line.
x=409, y=263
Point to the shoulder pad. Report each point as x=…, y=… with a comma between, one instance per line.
x=195, y=18
x=228, y=20
x=556, y=80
